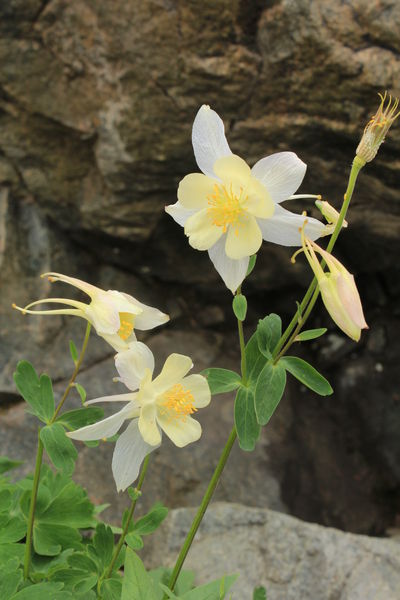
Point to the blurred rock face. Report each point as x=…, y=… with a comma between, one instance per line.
x=97, y=99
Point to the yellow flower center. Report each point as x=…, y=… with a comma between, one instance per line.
x=126, y=321
x=178, y=403
x=226, y=208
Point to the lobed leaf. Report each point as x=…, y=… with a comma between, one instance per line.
x=38, y=393
x=80, y=417
x=59, y=447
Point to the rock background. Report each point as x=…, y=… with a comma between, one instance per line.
x=97, y=98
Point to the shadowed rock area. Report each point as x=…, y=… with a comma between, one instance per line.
x=97, y=99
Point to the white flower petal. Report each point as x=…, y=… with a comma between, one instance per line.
x=181, y=432
x=124, y=303
x=208, y=139
x=129, y=453
x=179, y=213
x=149, y=316
x=281, y=173
x=117, y=342
x=103, y=314
x=174, y=370
x=201, y=231
x=244, y=240
x=103, y=429
x=284, y=227
x=131, y=364
x=197, y=385
x=148, y=427
x=232, y=271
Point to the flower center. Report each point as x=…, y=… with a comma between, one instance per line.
x=226, y=208
x=126, y=321
x=178, y=403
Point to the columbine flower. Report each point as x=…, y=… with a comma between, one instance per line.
x=114, y=315
x=377, y=128
x=230, y=208
x=338, y=290
x=163, y=404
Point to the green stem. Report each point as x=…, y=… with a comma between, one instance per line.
x=312, y=293
x=31, y=516
x=39, y=458
x=74, y=374
x=202, y=509
x=129, y=518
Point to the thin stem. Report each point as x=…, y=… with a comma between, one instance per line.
x=74, y=374
x=39, y=458
x=31, y=516
x=312, y=293
x=202, y=509
x=129, y=518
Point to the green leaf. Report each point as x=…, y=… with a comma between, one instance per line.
x=269, y=390
x=163, y=575
x=252, y=264
x=247, y=428
x=260, y=593
x=9, y=581
x=151, y=521
x=73, y=351
x=59, y=447
x=6, y=464
x=81, y=391
x=134, y=541
x=74, y=419
x=8, y=551
x=221, y=381
x=255, y=361
x=43, y=591
x=49, y=539
x=239, y=306
x=215, y=590
x=12, y=529
x=111, y=589
x=38, y=393
x=103, y=545
x=137, y=583
x=269, y=331
x=310, y=334
x=305, y=373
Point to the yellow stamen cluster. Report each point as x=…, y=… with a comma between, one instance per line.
x=377, y=128
x=126, y=325
x=226, y=208
x=178, y=403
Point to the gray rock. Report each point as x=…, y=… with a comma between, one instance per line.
x=293, y=559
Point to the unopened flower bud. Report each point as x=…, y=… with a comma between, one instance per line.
x=330, y=213
x=377, y=128
x=338, y=290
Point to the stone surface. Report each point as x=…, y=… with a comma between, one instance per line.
x=97, y=98
x=292, y=559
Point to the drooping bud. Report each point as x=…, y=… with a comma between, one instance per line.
x=338, y=290
x=330, y=213
x=377, y=128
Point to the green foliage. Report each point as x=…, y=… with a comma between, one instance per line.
x=62, y=509
x=102, y=547
x=73, y=351
x=247, y=428
x=43, y=591
x=163, y=575
x=310, y=334
x=81, y=391
x=221, y=381
x=305, y=373
x=239, y=305
x=215, y=590
x=269, y=391
x=137, y=583
x=269, y=331
x=80, y=417
x=59, y=447
x=252, y=264
x=151, y=521
x=6, y=464
x=38, y=393
x=260, y=593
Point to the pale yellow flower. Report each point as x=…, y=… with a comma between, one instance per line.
x=229, y=208
x=165, y=403
x=114, y=315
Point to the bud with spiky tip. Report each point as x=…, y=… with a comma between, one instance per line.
x=377, y=128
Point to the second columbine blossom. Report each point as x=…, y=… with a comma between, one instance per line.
x=113, y=314
x=165, y=403
x=230, y=208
